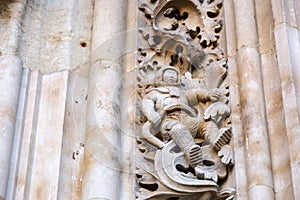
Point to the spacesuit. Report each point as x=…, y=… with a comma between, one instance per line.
x=169, y=108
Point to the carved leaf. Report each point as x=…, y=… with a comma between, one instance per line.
x=206, y=174
x=215, y=73
x=217, y=112
x=227, y=193
x=226, y=155
x=146, y=149
x=146, y=9
x=145, y=178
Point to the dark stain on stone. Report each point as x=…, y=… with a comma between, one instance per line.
x=5, y=11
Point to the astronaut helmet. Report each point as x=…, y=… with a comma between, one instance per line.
x=167, y=76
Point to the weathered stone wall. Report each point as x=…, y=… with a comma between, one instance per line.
x=67, y=81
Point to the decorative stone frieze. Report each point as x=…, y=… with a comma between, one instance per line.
x=183, y=107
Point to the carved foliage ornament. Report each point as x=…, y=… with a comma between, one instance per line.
x=183, y=111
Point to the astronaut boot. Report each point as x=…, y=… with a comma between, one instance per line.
x=194, y=155
x=184, y=139
x=219, y=137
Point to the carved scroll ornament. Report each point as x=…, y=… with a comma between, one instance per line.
x=183, y=102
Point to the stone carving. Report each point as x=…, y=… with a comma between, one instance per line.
x=183, y=102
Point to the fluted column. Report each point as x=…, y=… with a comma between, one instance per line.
x=10, y=80
x=238, y=136
x=259, y=173
x=274, y=105
x=102, y=143
x=10, y=70
x=128, y=139
x=287, y=40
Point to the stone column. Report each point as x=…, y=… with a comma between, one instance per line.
x=10, y=77
x=10, y=80
x=238, y=136
x=287, y=41
x=259, y=173
x=274, y=106
x=128, y=135
x=102, y=143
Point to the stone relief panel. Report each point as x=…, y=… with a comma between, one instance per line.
x=182, y=108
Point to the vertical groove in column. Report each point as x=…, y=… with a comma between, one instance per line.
x=238, y=137
x=28, y=124
x=70, y=178
x=102, y=143
x=259, y=173
x=79, y=19
x=128, y=104
x=288, y=49
x=274, y=106
x=10, y=80
x=18, y=136
x=46, y=145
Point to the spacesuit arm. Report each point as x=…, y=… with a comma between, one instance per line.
x=148, y=109
x=197, y=95
x=203, y=95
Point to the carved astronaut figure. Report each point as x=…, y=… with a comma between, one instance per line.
x=169, y=109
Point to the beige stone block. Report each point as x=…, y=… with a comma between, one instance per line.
x=129, y=132
x=44, y=161
x=254, y=121
x=102, y=143
x=26, y=124
x=55, y=34
x=245, y=23
x=284, y=12
x=297, y=7
x=261, y=192
x=265, y=26
x=286, y=39
x=294, y=46
x=103, y=109
x=238, y=135
x=278, y=12
x=128, y=94
x=276, y=127
x=11, y=14
x=14, y=178
x=71, y=167
x=106, y=26
x=230, y=28
x=10, y=80
x=81, y=33
x=290, y=102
